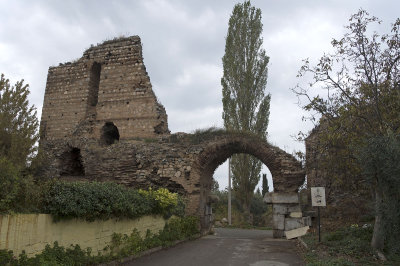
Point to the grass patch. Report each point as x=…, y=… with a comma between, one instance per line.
x=345, y=246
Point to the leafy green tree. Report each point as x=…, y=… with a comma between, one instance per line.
x=381, y=157
x=9, y=180
x=245, y=105
x=358, y=96
x=214, y=185
x=18, y=123
x=258, y=208
x=18, y=135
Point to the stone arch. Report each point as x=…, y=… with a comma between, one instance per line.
x=287, y=173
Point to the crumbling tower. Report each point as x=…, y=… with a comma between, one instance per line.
x=108, y=87
x=104, y=96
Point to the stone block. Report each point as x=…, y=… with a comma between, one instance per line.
x=280, y=209
x=295, y=215
x=278, y=221
x=212, y=198
x=294, y=208
x=275, y=197
x=296, y=232
x=293, y=223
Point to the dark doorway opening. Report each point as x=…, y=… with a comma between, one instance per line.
x=71, y=163
x=109, y=133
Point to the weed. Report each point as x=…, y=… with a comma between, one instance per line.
x=345, y=246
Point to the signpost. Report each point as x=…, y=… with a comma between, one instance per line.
x=229, y=194
x=318, y=200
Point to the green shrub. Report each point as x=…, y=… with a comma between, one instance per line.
x=379, y=159
x=95, y=200
x=9, y=184
x=51, y=256
x=30, y=195
x=177, y=228
x=258, y=208
x=165, y=202
x=87, y=200
x=7, y=257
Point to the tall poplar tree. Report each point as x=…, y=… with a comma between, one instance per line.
x=245, y=104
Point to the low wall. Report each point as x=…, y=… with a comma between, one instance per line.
x=32, y=232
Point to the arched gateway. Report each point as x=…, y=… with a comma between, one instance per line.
x=287, y=173
x=102, y=121
x=183, y=163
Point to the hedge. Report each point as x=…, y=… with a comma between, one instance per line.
x=104, y=200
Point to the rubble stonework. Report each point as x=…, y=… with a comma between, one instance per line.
x=101, y=122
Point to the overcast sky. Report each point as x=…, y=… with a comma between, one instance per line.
x=183, y=43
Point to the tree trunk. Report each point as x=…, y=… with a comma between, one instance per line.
x=377, y=241
x=247, y=215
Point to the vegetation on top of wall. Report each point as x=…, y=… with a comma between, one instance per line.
x=95, y=200
x=120, y=247
x=200, y=135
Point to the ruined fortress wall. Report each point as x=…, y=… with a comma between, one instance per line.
x=65, y=100
x=108, y=84
x=102, y=122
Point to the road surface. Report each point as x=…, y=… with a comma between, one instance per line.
x=227, y=247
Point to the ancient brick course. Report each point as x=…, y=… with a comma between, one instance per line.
x=108, y=83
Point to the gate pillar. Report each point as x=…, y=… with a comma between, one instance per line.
x=286, y=212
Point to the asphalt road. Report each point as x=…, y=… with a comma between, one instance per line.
x=227, y=247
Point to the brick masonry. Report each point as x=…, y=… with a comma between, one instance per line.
x=109, y=82
x=101, y=121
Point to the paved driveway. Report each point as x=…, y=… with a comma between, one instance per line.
x=227, y=247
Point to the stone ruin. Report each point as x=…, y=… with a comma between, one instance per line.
x=101, y=121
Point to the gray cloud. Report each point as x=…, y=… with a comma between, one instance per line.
x=183, y=45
